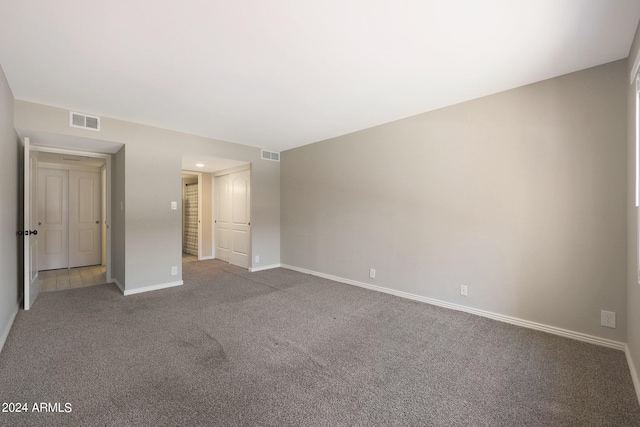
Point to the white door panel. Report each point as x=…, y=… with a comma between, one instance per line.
x=53, y=216
x=233, y=222
x=31, y=286
x=223, y=218
x=84, y=218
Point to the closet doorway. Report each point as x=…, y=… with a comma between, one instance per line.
x=208, y=172
x=69, y=210
x=71, y=216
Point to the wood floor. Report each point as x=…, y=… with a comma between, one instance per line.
x=188, y=257
x=71, y=278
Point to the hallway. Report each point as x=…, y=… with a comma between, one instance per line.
x=71, y=278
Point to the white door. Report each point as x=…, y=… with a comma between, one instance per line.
x=240, y=218
x=84, y=218
x=31, y=286
x=233, y=218
x=53, y=208
x=223, y=218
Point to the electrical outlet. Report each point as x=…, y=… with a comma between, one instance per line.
x=174, y=206
x=174, y=271
x=464, y=291
x=608, y=319
x=372, y=273
x=257, y=258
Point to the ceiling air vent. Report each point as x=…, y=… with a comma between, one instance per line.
x=84, y=121
x=270, y=155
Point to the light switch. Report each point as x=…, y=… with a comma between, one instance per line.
x=174, y=206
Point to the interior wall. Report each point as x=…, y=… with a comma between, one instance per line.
x=118, y=220
x=9, y=220
x=153, y=179
x=519, y=195
x=633, y=288
x=206, y=186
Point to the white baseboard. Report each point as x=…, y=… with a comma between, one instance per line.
x=634, y=373
x=264, y=267
x=205, y=258
x=127, y=292
x=7, y=329
x=495, y=316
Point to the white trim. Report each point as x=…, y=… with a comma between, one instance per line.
x=634, y=373
x=637, y=142
x=205, y=258
x=5, y=333
x=152, y=288
x=495, y=316
x=265, y=267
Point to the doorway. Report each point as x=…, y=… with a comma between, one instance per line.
x=69, y=213
x=191, y=216
x=82, y=220
x=71, y=218
x=234, y=245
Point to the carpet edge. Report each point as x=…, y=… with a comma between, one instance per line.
x=495, y=316
x=5, y=333
x=634, y=373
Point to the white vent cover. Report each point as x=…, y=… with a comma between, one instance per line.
x=270, y=155
x=84, y=121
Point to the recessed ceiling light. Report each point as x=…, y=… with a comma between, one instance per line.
x=200, y=165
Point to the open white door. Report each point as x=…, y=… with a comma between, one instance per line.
x=84, y=218
x=240, y=185
x=223, y=218
x=233, y=219
x=31, y=286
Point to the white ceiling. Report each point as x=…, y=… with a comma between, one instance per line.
x=278, y=74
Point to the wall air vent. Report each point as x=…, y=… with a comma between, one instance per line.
x=84, y=121
x=270, y=155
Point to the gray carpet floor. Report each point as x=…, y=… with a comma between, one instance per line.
x=281, y=348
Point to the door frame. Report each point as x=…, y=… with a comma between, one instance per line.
x=107, y=158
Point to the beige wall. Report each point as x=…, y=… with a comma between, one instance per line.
x=519, y=195
x=633, y=289
x=207, y=215
x=151, y=179
x=10, y=286
x=118, y=223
